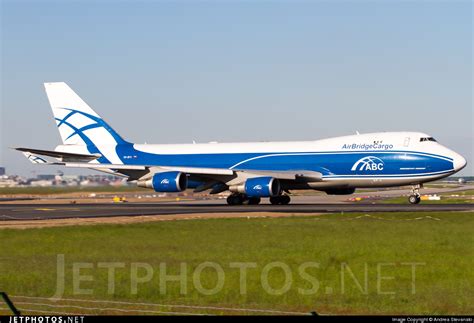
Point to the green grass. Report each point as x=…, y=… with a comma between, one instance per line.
x=442, y=242
x=442, y=185
x=467, y=192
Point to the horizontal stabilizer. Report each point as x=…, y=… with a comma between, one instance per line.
x=65, y=157
x=35, y=159
x=105, y=166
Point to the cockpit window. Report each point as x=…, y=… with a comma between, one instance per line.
x=427, y=139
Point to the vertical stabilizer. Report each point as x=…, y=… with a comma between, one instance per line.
x=79, y=125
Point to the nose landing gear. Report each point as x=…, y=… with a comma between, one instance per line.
x=415, y=198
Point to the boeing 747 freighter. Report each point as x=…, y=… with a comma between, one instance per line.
x=250, y=171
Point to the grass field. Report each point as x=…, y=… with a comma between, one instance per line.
x=381, y=246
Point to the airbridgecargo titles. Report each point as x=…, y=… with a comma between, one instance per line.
x=249, y=171
x=368, y=146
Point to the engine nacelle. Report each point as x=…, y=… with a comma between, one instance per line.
x=166, y=182
x=259, y=187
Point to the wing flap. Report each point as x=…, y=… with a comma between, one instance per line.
x=305, y=176
x=200, y=171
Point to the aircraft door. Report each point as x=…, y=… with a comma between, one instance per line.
x=406, y=142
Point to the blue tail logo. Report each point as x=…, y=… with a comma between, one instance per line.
x=93, y=142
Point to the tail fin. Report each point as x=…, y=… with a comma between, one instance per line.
x=79, y=125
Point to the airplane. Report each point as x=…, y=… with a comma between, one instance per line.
x=249, y=171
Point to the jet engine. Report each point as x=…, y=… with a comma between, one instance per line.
x=259, y=187
x=166, y=182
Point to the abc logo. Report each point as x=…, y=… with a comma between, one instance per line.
x=369, y=163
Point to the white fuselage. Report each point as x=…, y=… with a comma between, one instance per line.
x=382, y=159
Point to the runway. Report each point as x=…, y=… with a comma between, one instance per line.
x=65, y=211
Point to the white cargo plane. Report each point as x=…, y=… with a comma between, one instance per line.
x=250, y=171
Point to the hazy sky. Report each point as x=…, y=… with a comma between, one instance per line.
x=177, y=71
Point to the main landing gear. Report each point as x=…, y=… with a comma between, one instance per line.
x=415, y=198
x=280, y=199
x=239, y=199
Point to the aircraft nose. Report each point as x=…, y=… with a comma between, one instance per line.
x=459, y=162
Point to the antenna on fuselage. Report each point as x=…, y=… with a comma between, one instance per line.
x=357, y=132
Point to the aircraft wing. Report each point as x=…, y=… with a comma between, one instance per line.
x=140, y=172
x=214, y=172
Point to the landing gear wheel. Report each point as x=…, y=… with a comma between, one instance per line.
x=281, y=199
x=235, y=199
x=275, y=200
x=285, y=199
x=254, y=200
x=414, y=199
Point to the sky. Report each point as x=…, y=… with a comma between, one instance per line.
x=178, y=71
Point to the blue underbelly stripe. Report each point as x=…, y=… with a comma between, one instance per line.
x=388, y=175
